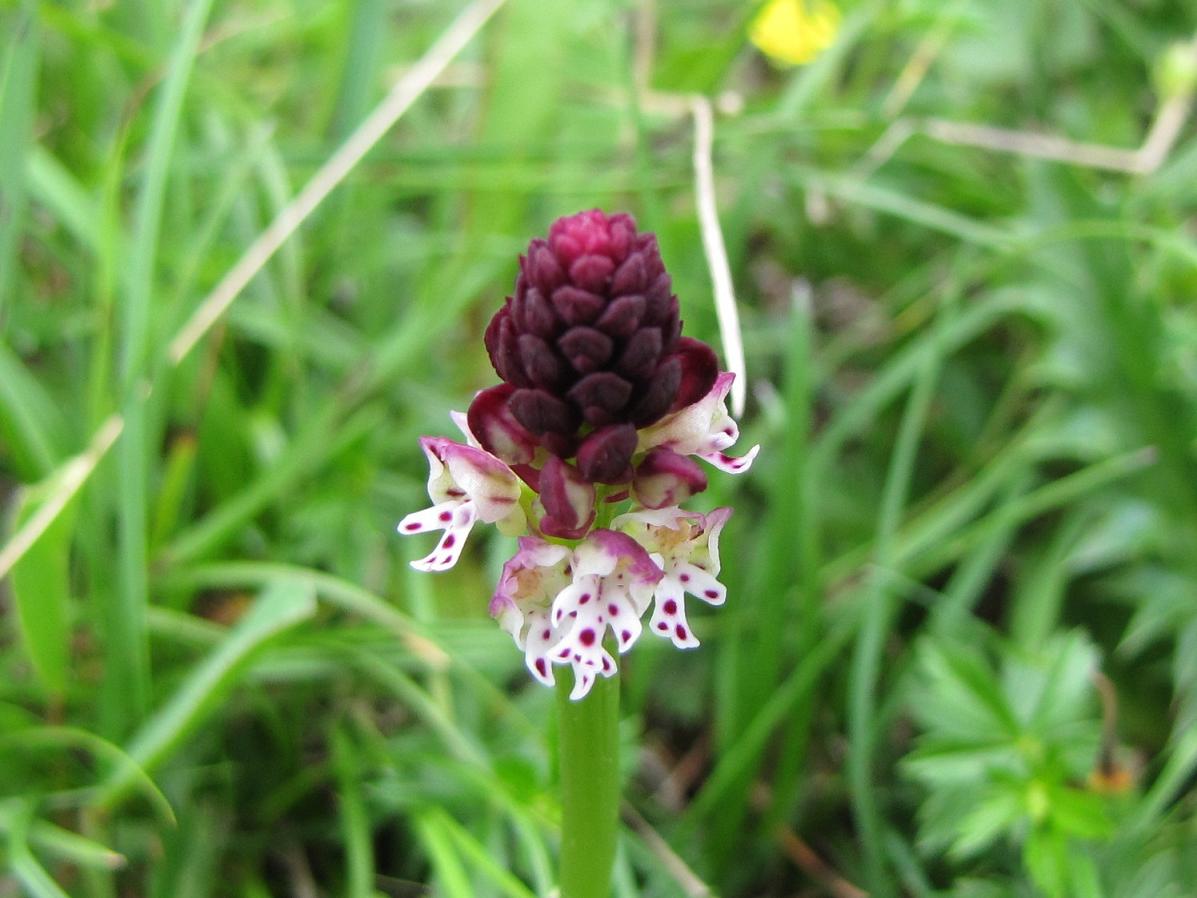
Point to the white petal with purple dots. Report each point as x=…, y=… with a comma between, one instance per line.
x=686, y=547
x=613, y=581
x=530, y=580
x=466, y=484
x=703, y=428
x=455, y=518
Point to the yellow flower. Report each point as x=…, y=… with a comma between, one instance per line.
x=794, y=32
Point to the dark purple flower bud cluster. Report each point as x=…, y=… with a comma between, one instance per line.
x=589, y=349
x=590, y=343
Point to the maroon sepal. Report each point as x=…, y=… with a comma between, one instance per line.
x=495, y=426
x=568, y=500
x=700, y=367
x=605, y=456
x=529, y=475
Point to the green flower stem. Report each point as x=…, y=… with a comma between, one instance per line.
x=589, y=739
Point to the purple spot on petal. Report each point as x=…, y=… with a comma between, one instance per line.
x=662, y=626
x=711, y=594
x=546, y=634
x=540, y=667
x=625, y=636
x=613, y=610
x=577, y=657
x=448, y=541
x=586, y=637
x=685, y=578
x=564, y=653
x=585, y=597
x=670, y=607
x=446, y=516
x=448, y=559
x=606, y=664
x=681, y=632
x=455, y=493
x=412, y=527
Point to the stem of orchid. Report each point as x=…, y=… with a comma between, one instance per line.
x=589, y=740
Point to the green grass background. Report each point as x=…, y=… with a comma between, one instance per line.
x=973, y=374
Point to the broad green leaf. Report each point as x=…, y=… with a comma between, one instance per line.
x=962, y=696
x=944, y=762
x=993, y=814
x=1046, y=857
x=1080, y=814
x=1053, y=684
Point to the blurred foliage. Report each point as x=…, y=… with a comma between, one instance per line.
x=960, y=651
x=1000, y=754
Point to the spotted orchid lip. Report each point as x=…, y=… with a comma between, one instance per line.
x=613, y=578
x=530, y=581
x=466, y=485
x=685, y=545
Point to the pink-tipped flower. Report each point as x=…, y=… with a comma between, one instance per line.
x=613, y=581
x=686, y=546
x=530, y=581
x=703, y=428
x=466, y=485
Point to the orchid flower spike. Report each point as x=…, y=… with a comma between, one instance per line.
x=603, y=408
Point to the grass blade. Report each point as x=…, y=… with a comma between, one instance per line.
x=41, y=594
x=866, y=660
x=128, y=679
x=449, y=872
x=32, y=875
x=18, y=91
x=279, y=608
x=355, y=823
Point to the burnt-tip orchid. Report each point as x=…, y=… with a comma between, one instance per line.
x=587, y=449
